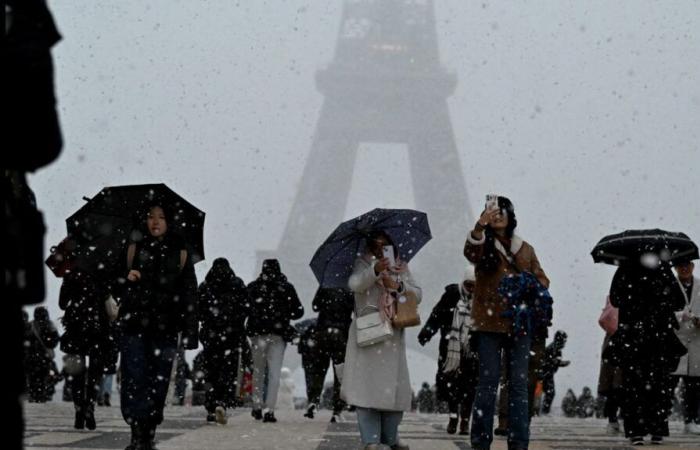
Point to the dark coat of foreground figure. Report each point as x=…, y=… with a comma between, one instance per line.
x=31, y=139
x=645, y=345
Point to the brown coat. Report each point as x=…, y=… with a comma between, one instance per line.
x=488, y=305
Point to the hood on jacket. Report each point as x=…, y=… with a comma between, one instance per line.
x=271, y=271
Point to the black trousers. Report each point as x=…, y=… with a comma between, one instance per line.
x=647, y=389
x=691, y=399
x=315, y=365
x=222, y=377
x=612, y=404
x=85, y=385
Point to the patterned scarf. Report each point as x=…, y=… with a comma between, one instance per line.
x=458, y=340
x=387, y=299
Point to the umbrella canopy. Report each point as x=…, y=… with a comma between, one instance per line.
x=630, y=245
x=333, y=261
x=103, y=227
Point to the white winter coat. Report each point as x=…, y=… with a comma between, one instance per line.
x=689, y=334
x=376, y=376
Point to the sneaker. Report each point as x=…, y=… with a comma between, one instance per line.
x=335, y=418
x=257, y=414
x=464, y=427
x=310, y=411
x=613, y=428
x=452, y=425
x=220, y=414
x=691, y=428
x=269, y=417
x=211, y=417
x=637, y=440
x=657, y=440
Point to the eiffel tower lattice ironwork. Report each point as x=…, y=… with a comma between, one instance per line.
x=385, y=85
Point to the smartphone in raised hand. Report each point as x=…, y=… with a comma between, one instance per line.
x=491, y=202
x=388, y=252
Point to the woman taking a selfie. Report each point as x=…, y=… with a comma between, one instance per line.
x=158, y=303
x=497, y=252
x=375, y=377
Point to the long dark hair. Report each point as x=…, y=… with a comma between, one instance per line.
x=373, y=235
x=490, y=260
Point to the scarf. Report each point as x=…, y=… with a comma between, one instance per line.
x=387, y=298
x=458, y=339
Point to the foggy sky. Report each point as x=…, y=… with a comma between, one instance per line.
x=585, y=114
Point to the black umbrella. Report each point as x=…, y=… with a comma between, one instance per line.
x=630, y=245
x=104, y=225
x=333, y=261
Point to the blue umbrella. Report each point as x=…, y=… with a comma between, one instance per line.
x=333, y=261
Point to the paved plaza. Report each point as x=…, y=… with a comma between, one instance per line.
x=49, y=426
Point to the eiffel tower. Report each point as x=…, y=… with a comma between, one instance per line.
x=385, y=85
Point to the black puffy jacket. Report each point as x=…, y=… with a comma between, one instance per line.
x=273, y=303
x=163, y=301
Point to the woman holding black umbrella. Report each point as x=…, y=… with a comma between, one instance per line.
x=158, y=303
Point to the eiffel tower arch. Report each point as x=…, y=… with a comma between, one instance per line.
x=384, y=85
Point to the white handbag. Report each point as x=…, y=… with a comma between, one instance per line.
x=112, y=308
x=371, y=329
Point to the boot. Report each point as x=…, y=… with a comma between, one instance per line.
x=107, y=402
x=90, y=416
x=452, y=425
x=464, y=427
x=79, y=423
x=149, y=436
x=135, y=443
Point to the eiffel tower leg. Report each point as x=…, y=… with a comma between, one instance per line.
x=320, y=202
x=440, y=191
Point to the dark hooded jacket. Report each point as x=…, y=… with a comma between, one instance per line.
x=647, y=299
x=43, y=338
x=553, y=355
x=449, y=385
x=163, y=301
x=222, y=307
x=334, y=307
x=273, y=303
x=85, y=320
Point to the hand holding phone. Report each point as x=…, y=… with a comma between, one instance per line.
x=388, y=253
x=491, y=202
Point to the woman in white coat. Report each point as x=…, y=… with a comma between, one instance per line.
x=689, y=334
x=375, y=377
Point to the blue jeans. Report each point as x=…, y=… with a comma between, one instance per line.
x=146, y=365
x=516, y=355
x=106, y=385
x=379, y=427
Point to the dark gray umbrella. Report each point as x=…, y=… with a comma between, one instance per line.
x=333, y=261
x=630, y=245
